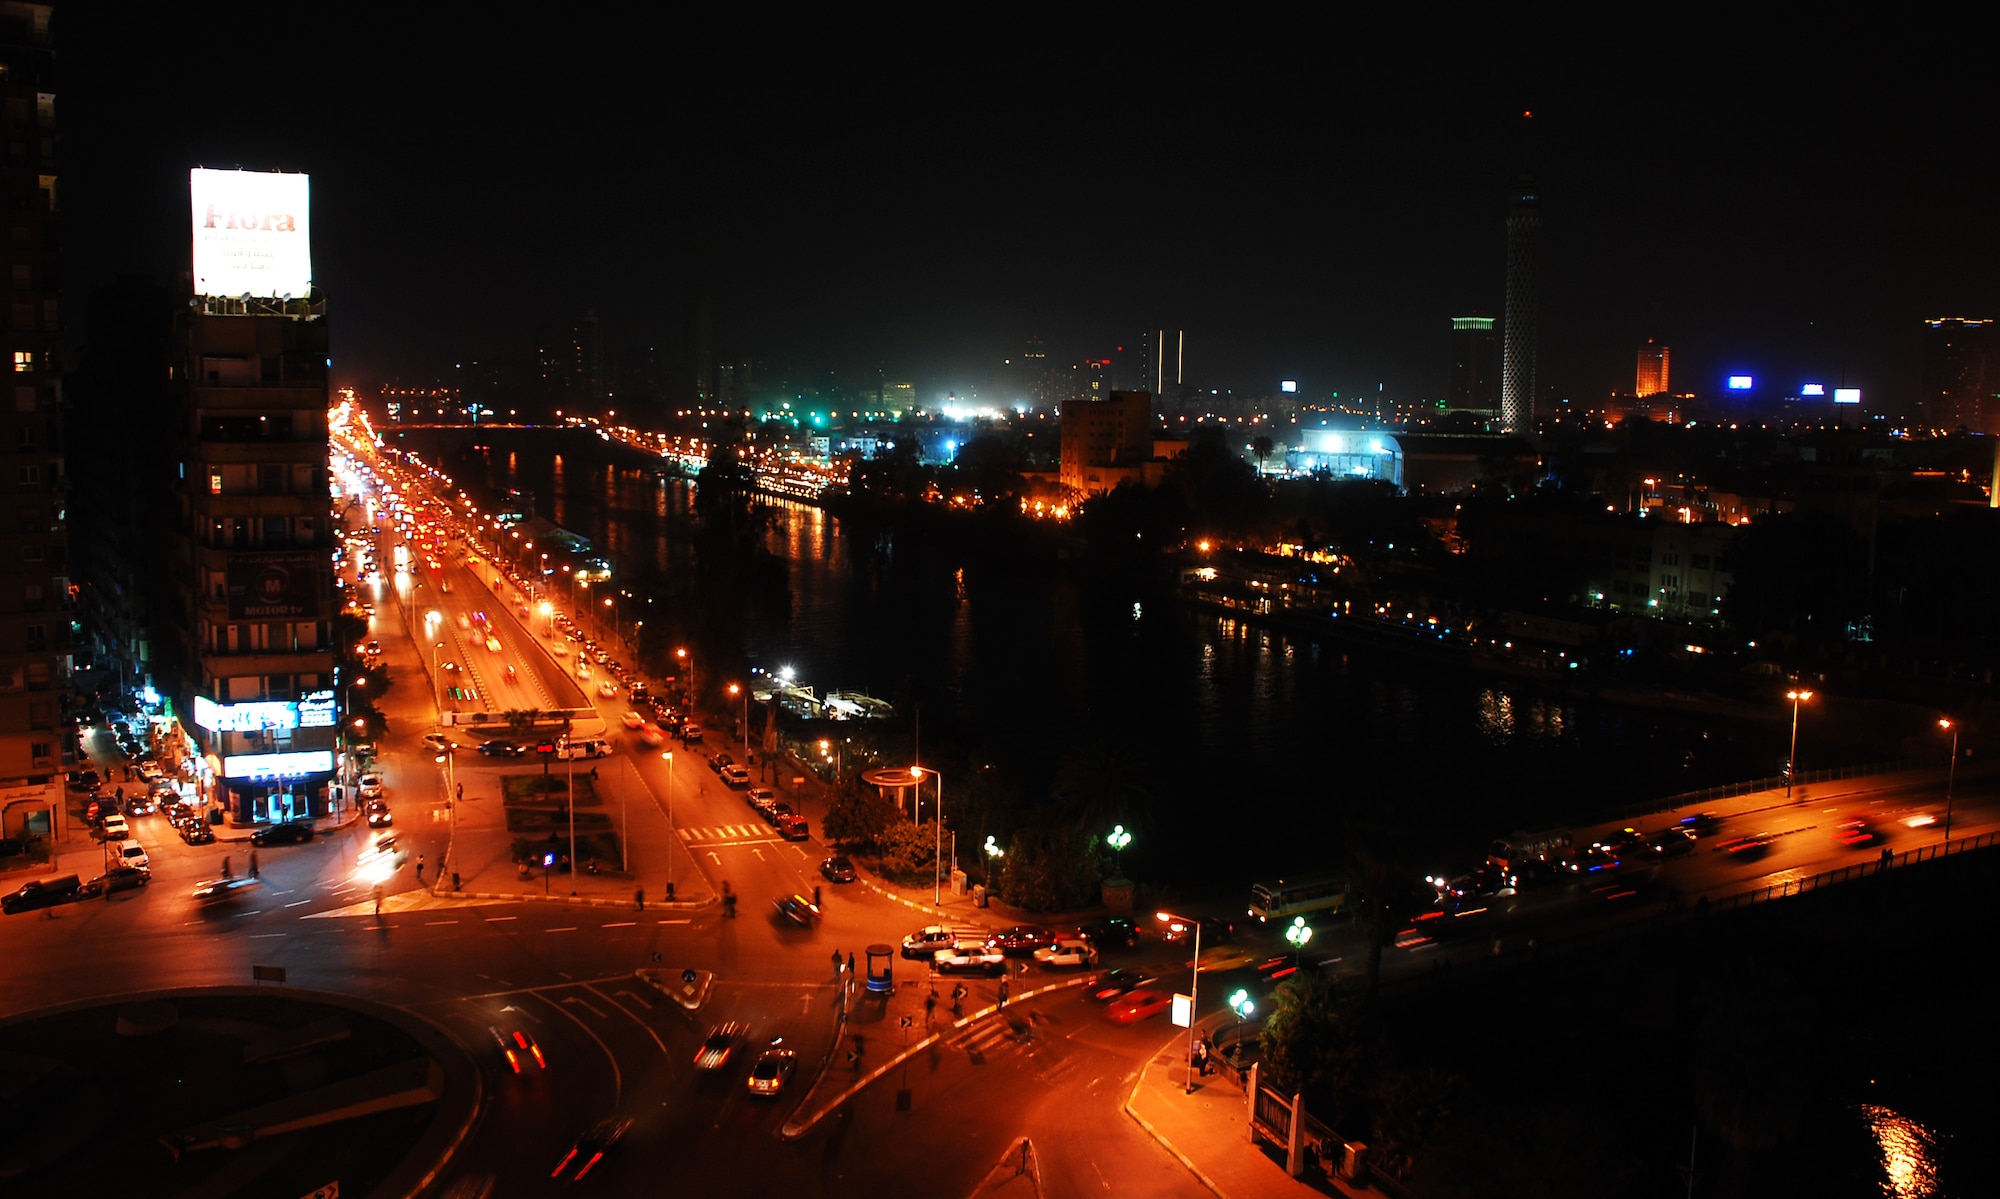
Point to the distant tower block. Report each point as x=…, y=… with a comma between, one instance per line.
x=1519, y=350
x=1652, y=377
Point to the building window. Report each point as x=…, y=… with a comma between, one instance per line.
x=215, y=483
x=26, y=399
x=24, y=360
x=31, y=476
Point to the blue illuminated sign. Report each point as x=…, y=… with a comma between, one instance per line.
x=1739, y=383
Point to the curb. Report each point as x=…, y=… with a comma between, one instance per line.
x=796, y=1129
x=1130, y=1100
x=588, y=901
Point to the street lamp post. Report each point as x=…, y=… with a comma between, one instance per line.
x=1798, y=696
x=437, y=683
x=451, y=805
x=937, y=832
x=1118, y=839
x=737, y=689
x=1194, y=984
x=669, y=756
x=1951, y=774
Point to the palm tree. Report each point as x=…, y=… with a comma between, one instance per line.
x=1261, y=446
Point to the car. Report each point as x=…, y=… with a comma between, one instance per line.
x=197, y=832
x=84, y=780
x=374, y=648
x=763, y=802
x=772, y=1070
x=1021, y=940
x=1673, y=841
x=1748, y=848
x=150, y=772
x=131, y=853
x=720, y=762
x=969, y=957
x=601, y=657
x=502, y=749
x=1112, y=984
x=438, y=743
x=1068, y=951
x=371, y=786
x=517, y=1048
x=493, y=644
x=115, y=828
x=223, y=890
x=607, y=689
x=591, y=1147
x=651, y=735
x=1855, y=832
x=923, y=944
x=293, y=832
x=792, y=826
x=736, y=776
x=632, y=720
x=41, y=893
x=1623, y=841
x=690, y=734
x=118, y=878
x=719, y=1046
x=1137, y=1005
x=1111, y=932
x=378, y=814
x=837, y=869
x=797, y=909
x=1213, y=931
x=139, y=805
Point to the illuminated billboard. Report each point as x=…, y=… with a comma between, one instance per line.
x=1813, y=389
x=277, y=766
x=276, y=584
x=245, y=718
x=252, y=236
x=1847, y=395
x=1289, y=387
x=1739, y=383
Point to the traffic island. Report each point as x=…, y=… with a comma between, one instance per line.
x=231, y=1091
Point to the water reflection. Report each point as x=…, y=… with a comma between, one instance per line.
x=1909, y=1152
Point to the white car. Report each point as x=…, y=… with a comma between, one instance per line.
x=633, y=720
x=371, y=786
x=437, y=743
x=607, y=689
x=134, y=854
x=1069, y=951
x=115, y=828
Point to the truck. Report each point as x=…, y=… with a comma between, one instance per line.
x=42, y=893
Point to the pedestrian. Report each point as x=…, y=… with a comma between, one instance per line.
x=1004, y=991
x=461, y=792
x=253, y=863
x=815, y=894
x=420, y=868
x=639, y=897
x=930, y=1008
x=593, y=774
x=850, y=962
x=378, y=901
x=958, y=999
x=836, y=963
x=225, y=866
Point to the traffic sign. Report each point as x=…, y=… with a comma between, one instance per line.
x=688, y=975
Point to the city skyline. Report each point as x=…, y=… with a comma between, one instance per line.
x=1293, y=232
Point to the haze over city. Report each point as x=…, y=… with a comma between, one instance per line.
x=1785, y=209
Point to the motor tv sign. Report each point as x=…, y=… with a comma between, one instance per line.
x=274, y=585
x=252, y=235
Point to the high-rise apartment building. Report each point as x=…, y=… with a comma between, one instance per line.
x=1472, y=379
x=1521, y=350
x=1105, y=441
x=35, y=600
x=251, y=667
x=1961, y=375
x=1652, y=374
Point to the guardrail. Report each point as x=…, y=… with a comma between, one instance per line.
x=1689, y=799
x=1827, y=878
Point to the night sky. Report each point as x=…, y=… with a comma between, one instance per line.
x=1305, y=205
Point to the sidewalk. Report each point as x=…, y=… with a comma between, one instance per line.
x=1208, y=1131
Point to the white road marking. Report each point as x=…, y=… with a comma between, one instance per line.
x=298, y=903
x=619, y=924
x=264, y=936
x=570, y=929
x=498, y=919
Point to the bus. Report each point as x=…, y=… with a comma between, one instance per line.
x=1292, y=896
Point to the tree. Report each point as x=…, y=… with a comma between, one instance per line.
x=1260, y=446
x=907, y=850
x=1310, y=1046
x=858, y=817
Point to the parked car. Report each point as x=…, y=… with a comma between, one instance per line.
x=294, y=832
x=133, y=855
x=969, y=957
x=41, y=893
x=371, y=786
x=691, y=734
x=502, y=749
x=792, y=826
x=1068, y=952
x=115, y=828
x=736, y=776
x=837, y=869
x=379, y=815
x=1021, y=940
x=196, y=832
x=118, y=878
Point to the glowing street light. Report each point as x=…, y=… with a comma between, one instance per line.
x=1296, y=936
x=1118, y=839
x=1951, y=775
x=1798, y=696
